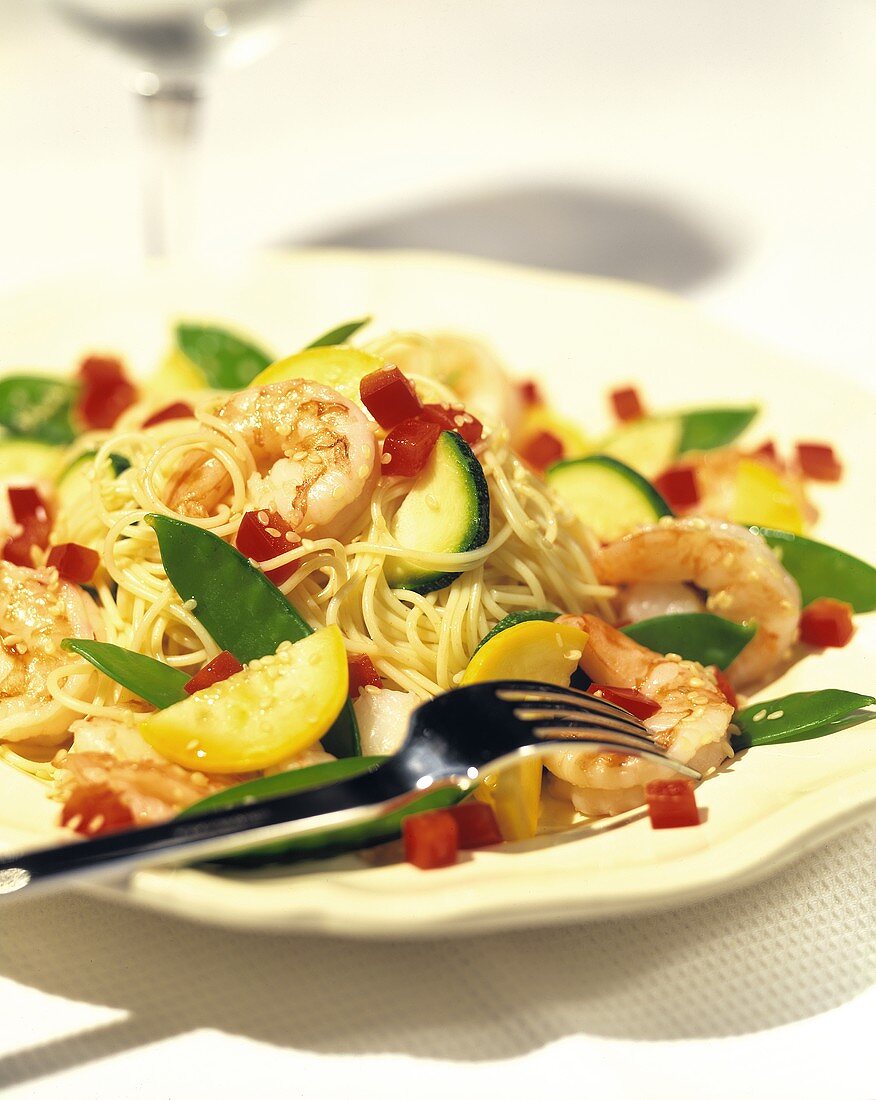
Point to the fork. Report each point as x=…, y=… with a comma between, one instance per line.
x=451, y=742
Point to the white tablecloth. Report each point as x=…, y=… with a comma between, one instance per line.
x=724, y=151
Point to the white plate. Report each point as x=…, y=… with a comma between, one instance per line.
x=581, y=336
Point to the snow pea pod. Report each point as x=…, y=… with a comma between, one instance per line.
x=822, y=570
x=327, y=842
x=226, y=361
x=239, y=607
x=698, y=636
x=705, y=429
x=339, y=335
x=34, y=407
x=152, y=680
x=799, y=717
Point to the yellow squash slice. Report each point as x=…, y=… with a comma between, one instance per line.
x=272, y=710
x=536, y=650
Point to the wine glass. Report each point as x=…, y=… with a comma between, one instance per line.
x=174, y=44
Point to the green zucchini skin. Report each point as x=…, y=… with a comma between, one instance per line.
x=462, y=491
x=584, y=483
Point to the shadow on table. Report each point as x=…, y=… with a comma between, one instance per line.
x=624, y=235
x=711, y=970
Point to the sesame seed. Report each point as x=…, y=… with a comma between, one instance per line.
x=759, y=717
x=573, y=655
x=371, y=689
x=193, y=744
x=385, y=459
x=299, y=456
x=96, y=823
x=263, y=518
x=363, y=471
x=696, y=682
x=459, y=421
x=273, y=532
x=775, y=714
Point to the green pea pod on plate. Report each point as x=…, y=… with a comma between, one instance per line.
x=339, y=335
x=822, y=570
x=226, y=361
x=157, y=683
x=239, y=607
x=800, y=717
x=38, y=408
x=697, y=636
x=327, y=842
x=706, y=429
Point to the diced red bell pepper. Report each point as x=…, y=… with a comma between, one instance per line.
x=827, y=622
x=627, y=404
x=476, y=824
x=431, y=839
x=222, y=666
x=819, y=461
x=389, y=396
x=542, y=450
x=263, y=535
x=30, y=511
x=678, y=487
x=362, y=673
x=179, y=410
x=94, y=810
x=726, y=688
x=530, y=394
x=628, y=698
x=671, y=803
x=454, y=420
x=105, y=392
x=407, y=448
x=767, y=450
x=74, y=562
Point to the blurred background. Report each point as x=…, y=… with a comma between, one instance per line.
x=724, y=151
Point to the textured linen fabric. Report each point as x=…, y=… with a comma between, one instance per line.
x=111, y=981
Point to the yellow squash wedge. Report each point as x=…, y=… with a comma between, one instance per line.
x=339, y=366
x=765, y=498
x=537, y=650
x=272, y=710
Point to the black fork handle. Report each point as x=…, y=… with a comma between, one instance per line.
x=350, y=801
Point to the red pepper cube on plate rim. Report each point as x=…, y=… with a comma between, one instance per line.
x=827, y=623
x=819, y=461
x=627, y=404
x=542, y=450
x=431, y=839
x=477, y=825
x=408, y=447
x=389, y=396
x=222, y=666
x=671, y=803
x=362, y=674
x=264, y=535
x=74, y=562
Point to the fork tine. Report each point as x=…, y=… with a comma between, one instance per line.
x=561, y=718
x=564, y=697
x=617, y=721
x=583, y=736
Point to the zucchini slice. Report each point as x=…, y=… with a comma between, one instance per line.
x=649, y=445
x=447, y=511
x=28, y=457
x=607, y=496
x=74, y=483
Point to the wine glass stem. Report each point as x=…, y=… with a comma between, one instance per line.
x=171, y=115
